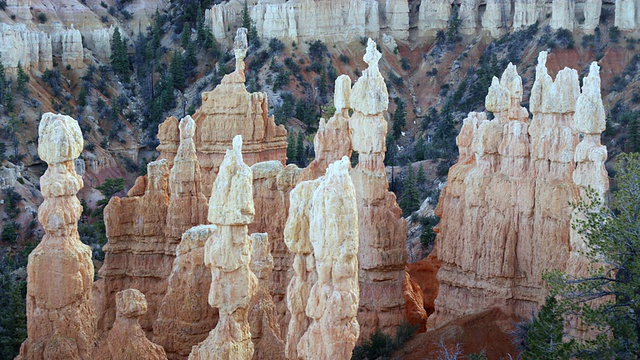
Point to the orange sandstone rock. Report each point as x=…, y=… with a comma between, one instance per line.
x=60, y=319
x=126, y=340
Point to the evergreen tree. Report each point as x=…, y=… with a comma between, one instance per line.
x=190, y=62
x=119, y=56
x=390, y=156
x=23, y=79
x=542, y=336
x=410, y=201
x=399, y=118
x=421, y=177
x=3, y=83
x=8, y=102
x=420, y=151
x=82, y=96
x=176, y=71
x=634, y=133
x=185, y=36
x=613, y=238
x=300, y=153
x=247, y=23
x=108, y=188
x=291, y=148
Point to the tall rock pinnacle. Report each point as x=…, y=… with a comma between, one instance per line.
x=60, y=319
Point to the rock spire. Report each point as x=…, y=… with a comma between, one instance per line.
x=60, y=319
x=228, y=255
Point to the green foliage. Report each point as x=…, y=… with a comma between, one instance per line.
x=11, y=200
x=344, y=59
x=307, y=113
x=284, y=112
x=119, y=56
x=185, y=37
x=42, y=18
x=108, y=188
x=613, y=238
x=23, y=79
x=276, y=46
x=317, y=51
x=399, y=118
x=291, y=148
x=614, y=34
x=176, y=70
x=392, y=150
x=453, y=26
x=250, y=25
x=301, y=155
x=10, y=231
x=428, y=236
x=82, y=96
x=541, y=338
x=381, y=346
x=13, y=320
x=410, y=200
x=3, y=84
x=420, y=149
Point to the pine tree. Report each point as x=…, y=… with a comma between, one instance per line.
x=291, y=148
x=247, y=23
x=3, y=83
x=410, y=201
x=119, y=56
x=176, y=71
x=399, y=119
x=82, y=96
x=23, y=78
x=185, y=36
x=190, y=62
x=300, y=153
x=390, y=156
x=542, y=338
x=421, y=177
x=420, y=151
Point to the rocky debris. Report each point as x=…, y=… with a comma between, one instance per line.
x=512, y=187
x=126, y=339
x=265, y=331
x=60, y=318
x=228, y=255
x=185, y=316
x=323, y=294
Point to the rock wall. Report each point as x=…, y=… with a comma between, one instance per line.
x=343, y=20
x=60, y=319
x=511, y=188
x=29, y=47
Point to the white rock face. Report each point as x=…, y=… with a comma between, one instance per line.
x=396, y=14
x=468, y=14
x=60, y=138
x=563, y=14
x=29, y=47
x=19, y=8
x=68, y=43
x=434, y=15
x=496, y=17
x=525, y=13
x=99, y=42
x=592, y=10
x=626, y=14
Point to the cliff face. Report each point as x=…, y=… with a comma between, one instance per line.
x=301, y=20
x=60, y=319
x=511, y=188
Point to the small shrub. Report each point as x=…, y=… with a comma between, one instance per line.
x=614, y=34
x=104, y=4
x=10, y=231
x=344, y=58
x=3, y=5
x=42, y=18
x=405, y=64
x=276, y=46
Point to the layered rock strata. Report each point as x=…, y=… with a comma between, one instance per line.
x=227, y=111
x=381, y=228
x=323, y=295
x=228, y=255
x=126, y=339
x=60, y=319
x=512, y=186
x=265, y=331
x=145, y=228
x=24, y=46
x=185, y=316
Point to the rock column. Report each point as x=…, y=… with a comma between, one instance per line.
x=381, y=228
x=61, y=323
x=228, y=254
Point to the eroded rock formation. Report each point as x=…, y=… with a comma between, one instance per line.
x=511, y=187
x=381, y=228
x=227, y=254
x=265, y=331
x=60, y=319
x=323, y=295
x=126, y=339
x=185, y=316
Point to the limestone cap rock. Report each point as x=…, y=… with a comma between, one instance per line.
x=369, y=95
x=590, y=117
x=59, y=138
x=342, y=93
x=130, y=303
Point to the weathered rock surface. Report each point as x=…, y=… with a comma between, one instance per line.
x=68, y=43
x=60, y=319
x=415, y=309
x=126, y=339
x=265, y=331
x=511, y=187
x=323, y=294
x=29, y=47
x=185, y=316
x=382, y=230
x=227, y=254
